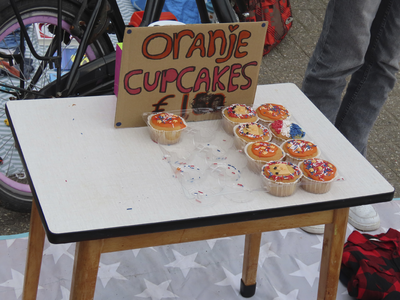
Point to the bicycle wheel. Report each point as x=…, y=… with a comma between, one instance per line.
x=22, y=76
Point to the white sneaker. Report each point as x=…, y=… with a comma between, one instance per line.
x=364, y=218
x=315, y=229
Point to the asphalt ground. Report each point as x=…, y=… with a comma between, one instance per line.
x=287, y=63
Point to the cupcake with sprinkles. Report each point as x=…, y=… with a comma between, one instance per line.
x=165, y=128
x=269, y=112
x=283, y=130
x=250, y=132
x=259, y=153
x=299, y=150
x=318, y=176
x=281, y=178
x=236, y=114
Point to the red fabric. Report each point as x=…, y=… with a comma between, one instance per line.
x=372, y=264
x=278, y=13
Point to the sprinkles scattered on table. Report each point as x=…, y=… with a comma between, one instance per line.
x=189, y=172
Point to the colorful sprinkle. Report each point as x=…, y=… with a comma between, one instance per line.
x=241, y=111
x=281, y=170
x=287, y=129
x=319, y=169
x=273, y=111
x=253, y=131
x=300, y=148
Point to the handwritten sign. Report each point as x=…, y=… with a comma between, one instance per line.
x=187, y=67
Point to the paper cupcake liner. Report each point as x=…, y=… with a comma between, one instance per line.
x=314, y=186
x=164, y=137
x=295, y=160
x=256, y=165
x=280, y=189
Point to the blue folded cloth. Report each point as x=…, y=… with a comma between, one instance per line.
x=184, y=10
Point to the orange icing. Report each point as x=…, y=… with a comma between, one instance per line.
x=300, y=148
x=273, y=111
x=263, y=149
x=319, y=169
x=168, y=120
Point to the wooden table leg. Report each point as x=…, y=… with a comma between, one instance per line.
x=86, y=266
x=34, y=255
x=250, y=264
x=334, y=237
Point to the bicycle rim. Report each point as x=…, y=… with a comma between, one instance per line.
x=15, y=193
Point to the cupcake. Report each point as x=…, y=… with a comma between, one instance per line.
x=280, y=178
x=165, y=128
x=269, y=112
x=318, y=176
x=285, y=130
x=259, y=153
x=250, y=132
x=237, y=114
x=299, y=150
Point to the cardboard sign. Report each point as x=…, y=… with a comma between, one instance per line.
x=169, y=68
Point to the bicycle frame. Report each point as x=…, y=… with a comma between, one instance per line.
x=105, y=66
x=65, y=90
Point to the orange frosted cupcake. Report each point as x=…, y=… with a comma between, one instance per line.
x=165, y=128
x=318, y=176
x=259, y=153
x=236, y=114
x=299, y=150
x=269, y=112
x=281, y=178
x=250, y=132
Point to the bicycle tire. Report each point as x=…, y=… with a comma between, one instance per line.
x=15, y=193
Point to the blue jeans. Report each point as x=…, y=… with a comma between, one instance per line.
x=360, y=38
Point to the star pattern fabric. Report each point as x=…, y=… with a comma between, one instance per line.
x=288, y=267
x=185, y=263
x=157, y=292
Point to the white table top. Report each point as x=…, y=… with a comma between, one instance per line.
x=93, y=180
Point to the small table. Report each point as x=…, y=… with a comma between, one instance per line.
x=84, y=174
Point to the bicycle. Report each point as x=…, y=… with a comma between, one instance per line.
x=71, y=55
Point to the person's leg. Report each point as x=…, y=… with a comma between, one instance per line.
x=367, y=92
x=339, y=52
x=369, y=87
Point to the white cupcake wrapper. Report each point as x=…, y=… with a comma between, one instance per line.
x=280, y=189
x=314, y=186
x=164, y=137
